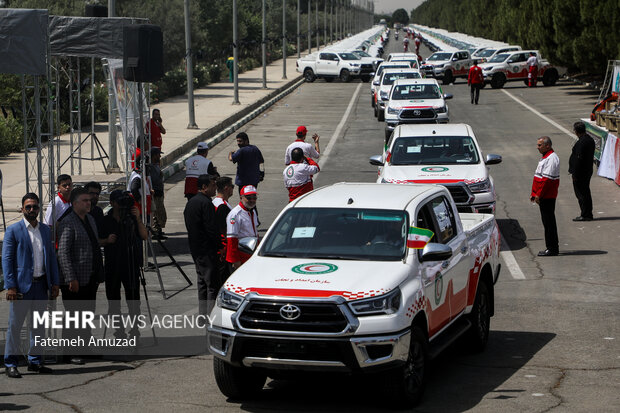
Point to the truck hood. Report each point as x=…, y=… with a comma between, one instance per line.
x=416, y=103
x=436, y=62
x=434, y=174
x=315, y=278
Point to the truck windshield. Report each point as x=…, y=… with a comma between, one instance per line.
x=440, y=56
x=499, y=58
x=381, y=68
x=434, y=150
x=339, y=233
x=361, y=53
x=409, y=92
x=487, y=52
x=348, y=56
x=389, y=78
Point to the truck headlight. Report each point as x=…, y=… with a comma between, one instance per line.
x=226, y=299
x=478, y=187
x=393, y=111
x=440, y=109
x=384, y=304
x=354, y=65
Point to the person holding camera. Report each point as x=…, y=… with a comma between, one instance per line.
x=310, y=151
x=122, y=233
x=31, y=275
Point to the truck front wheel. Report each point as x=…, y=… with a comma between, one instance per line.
x=550, y=77
x=345, y=76
x=404, y=386
x=447, y=77
x=498, y=80
x=480, y=318
x=309, y=75
x=237, y=382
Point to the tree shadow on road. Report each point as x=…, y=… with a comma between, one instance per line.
x=467, y=379
x=582, y=252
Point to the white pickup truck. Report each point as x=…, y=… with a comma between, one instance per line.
x=447, y=66
x=512, y=66
x=357, y=278
x=331, y=65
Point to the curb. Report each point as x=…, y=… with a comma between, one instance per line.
x=176, y=159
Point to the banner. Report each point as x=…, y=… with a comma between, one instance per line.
x=615, y=81
x=127, y=104
x=610, y=159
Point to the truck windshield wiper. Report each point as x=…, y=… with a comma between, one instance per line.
x=274, y=254
x=334, y=257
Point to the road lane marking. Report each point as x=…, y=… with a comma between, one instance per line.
x=537, y=113
x=334, y=137
x=510, y=261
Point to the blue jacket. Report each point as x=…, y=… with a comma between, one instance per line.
x=18, y=259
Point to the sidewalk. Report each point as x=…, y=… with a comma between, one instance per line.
x=214, y=112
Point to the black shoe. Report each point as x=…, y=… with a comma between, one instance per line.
x=476, y=103
x=37, y=368
x=578, y=219
x=13, y=373
x=159, y=237
x=548, y=253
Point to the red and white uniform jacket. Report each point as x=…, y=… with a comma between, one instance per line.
x=547, y=177
x=138, y=196
x=60, y=206
x=298, y=178
x=240, y=223
x=475, y=76
x=308, y=148
x=194, y=167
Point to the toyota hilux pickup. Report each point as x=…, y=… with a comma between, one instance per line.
x=374, y=86
x=415, y=101
x=331, y=65
x=358, y=278
x=446, y=154
x=447, y=66
x=388, y=77
x=512, y=66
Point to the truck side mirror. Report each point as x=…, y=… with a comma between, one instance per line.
x=248, y=245
x=454, y=59
x=448, y=96
x=376, y=160
x=436, y=252
x=375, y=83
x=493, y=159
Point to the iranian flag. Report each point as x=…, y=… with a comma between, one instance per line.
x=418, y=237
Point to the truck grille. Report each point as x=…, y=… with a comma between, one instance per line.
x=459, y=194
x=294, y=349
x=366, y=68
x=313, y=317
x=417, y=114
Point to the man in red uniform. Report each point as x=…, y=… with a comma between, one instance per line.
x=242, y=222
x=532, y=64
x=475, y=80
x=156, y=129
x=544, y=193
x=298, y=174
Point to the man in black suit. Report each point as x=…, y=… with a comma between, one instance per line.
x=580, y=167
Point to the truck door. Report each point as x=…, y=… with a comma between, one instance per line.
x=327, y=64
x=434, y=277
x=517, y=66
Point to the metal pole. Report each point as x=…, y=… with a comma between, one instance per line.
x=113, y=164
x=235, y=57
x=264, y=48
x=283, y=39
x=309, y=31
x=316, y=17
x=331, y=21
x=92, y=108
x=325, y=22
x=189, y=68
x=298, y=29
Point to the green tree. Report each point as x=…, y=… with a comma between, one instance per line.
x=400, y=16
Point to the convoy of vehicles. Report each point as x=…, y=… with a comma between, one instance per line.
x=415, y=101
x=447, y=154
x=489, y=52
x=512, y=66
x=310, y=298
x=376, y=81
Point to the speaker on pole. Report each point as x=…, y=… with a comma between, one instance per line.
x=96, y=10
x=143, y=53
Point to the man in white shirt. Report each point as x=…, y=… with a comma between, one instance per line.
x=532, y=66
x=195, y=166
x=61, y=201
x=310, y=151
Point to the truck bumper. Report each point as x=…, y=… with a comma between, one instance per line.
x=347, y=354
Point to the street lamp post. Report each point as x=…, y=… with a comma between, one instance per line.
x=264, y=47
x=189, y=68
x=235, y=57
x=309, y=31
x=298, y=30
x=283, y=39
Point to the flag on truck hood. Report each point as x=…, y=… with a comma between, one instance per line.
x=418, y=237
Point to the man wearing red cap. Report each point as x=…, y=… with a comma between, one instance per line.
x=241, y=222
x=310, y=151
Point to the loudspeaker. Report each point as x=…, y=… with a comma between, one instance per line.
x=143, y=55
x=96, y=10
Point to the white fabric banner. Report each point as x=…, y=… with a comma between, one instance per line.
x=615, y=81
x=607, y=168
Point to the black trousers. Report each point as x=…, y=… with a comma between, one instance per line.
x=131, y=285
x=83, y=300
x=547, y=214
x=581, y=185
x=208, y=282
x=474, y=91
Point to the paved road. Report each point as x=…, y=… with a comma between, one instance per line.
x=554, y=343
